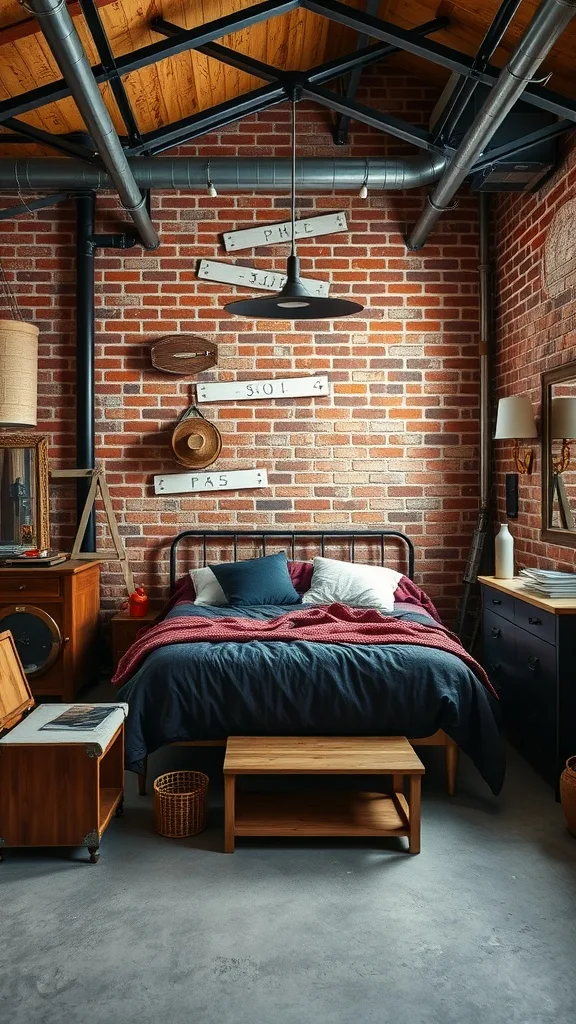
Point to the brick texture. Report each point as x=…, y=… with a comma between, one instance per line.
x=396, y=444
x=536, y=331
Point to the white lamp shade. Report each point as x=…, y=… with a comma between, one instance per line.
x=18, y=373
x=515, y=418
x=564, y=418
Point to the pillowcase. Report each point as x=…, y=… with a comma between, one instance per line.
x=301, y=575
x=360, y=586
x=208, y=590
x=257, y=581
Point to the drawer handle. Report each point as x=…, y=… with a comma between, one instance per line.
x=533, y=662
x=534, y=622
x=496, y=600
x=496, y=632
x=22, y=586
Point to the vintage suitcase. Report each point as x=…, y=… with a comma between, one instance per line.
x=57, y=787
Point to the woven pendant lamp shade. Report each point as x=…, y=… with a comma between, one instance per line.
x=18, y=373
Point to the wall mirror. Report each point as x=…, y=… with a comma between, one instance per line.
x=559, y=455
x=24, y=519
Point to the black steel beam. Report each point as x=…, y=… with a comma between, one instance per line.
x=446, y=125
x=383, y=122
x=92, y=15
x=208, y=120
x=516, y=146
x=33, y=204
x=58, y=142
x=340, y=130
x=435, y=52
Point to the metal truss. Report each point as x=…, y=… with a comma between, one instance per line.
x=390, y=39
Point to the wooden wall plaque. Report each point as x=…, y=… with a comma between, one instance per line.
x=183, y=354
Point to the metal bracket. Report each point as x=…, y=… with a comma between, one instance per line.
x=93, y=750
x=91, y=838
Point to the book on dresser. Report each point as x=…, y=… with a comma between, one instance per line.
x=529, y=652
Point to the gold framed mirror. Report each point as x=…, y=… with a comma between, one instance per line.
x=559, y=455
x=24, y=508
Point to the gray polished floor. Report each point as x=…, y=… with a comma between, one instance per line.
x=478, y=929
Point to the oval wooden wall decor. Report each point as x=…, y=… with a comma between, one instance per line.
x=183, y=354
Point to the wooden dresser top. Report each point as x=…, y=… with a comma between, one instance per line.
x=515, y=587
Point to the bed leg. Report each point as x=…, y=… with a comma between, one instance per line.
x=142, y=779
x=452, y=753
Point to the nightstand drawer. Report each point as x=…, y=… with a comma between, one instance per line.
x=495, y=601
x=499, y=647
x=22, y=588
x=540, y=623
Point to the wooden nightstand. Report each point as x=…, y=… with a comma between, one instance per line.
x=125, y=628
x=52, y=613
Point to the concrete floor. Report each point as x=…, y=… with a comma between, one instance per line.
x=478, y=929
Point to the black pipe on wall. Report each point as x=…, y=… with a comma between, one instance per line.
x=85, y=449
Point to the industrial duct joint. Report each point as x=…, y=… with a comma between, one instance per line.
x=546, y=27
x=58, y=28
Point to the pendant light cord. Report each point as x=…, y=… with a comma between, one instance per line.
x=293, y=252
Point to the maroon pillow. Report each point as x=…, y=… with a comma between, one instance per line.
x=301, y=575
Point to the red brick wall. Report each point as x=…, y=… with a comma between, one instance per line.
x=536, y=331
x=396, y=444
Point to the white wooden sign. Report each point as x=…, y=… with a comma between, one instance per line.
x=249, y=277
x=271, y=234
x=242, y=390
x=220, y=480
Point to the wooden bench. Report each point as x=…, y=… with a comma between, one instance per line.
x=334, y=812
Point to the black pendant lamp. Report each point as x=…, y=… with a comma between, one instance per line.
x=293, y=302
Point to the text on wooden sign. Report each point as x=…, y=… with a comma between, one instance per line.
x=222, y=480
x=271, y=234
x=243, y=390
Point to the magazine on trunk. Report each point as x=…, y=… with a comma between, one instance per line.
x=80, y=716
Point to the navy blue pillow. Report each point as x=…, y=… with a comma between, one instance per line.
x=257, y=581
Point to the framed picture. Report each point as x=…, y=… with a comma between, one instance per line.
x=24, y=508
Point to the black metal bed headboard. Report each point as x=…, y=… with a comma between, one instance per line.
x=296, y=539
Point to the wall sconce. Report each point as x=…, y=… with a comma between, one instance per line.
x=563, y=427
x=515, y=420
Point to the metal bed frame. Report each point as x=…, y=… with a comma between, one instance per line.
x=303, y=540
x=298, y=540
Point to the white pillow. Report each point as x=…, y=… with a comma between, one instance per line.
x=208, y=590
x=361, y=586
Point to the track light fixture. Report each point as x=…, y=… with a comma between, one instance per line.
x=211, y=188
x=293, y=302
x=363, y=193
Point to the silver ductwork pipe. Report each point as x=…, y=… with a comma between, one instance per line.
x=226, y=174
x=546, y=26
x=58, y=28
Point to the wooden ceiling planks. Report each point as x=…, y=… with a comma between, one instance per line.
x=189, y=82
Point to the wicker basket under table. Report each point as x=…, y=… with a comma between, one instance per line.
x=180, y=803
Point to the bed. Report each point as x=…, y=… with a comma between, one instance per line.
x=199, y=693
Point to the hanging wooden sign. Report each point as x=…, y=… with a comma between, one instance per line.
x=221, y=480
x=242, y=390
x=250, y=277
x=271, y=234
x=183, y=354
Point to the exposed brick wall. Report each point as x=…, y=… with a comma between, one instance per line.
x=536, y=331
x=397, y=443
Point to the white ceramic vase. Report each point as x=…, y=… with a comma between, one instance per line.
x=504, y=554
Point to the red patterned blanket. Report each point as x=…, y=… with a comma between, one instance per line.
x=334, y=624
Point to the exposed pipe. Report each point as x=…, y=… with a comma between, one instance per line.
x=546, y=26
x=85, y=450
x=227, y=174
x=64, y=41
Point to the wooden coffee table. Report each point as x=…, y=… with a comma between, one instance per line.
x=322, y=813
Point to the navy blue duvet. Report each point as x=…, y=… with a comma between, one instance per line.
x=199, y=691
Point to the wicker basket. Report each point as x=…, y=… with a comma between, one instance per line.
x=180, y=803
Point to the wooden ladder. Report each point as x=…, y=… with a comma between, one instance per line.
x=98, y=482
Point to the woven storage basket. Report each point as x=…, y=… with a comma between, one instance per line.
x=568, y=794
x=180, y=803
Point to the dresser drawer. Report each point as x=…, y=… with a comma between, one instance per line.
x=499, y=651
x=540, y=623
x=495, y=601
x=19, y=587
